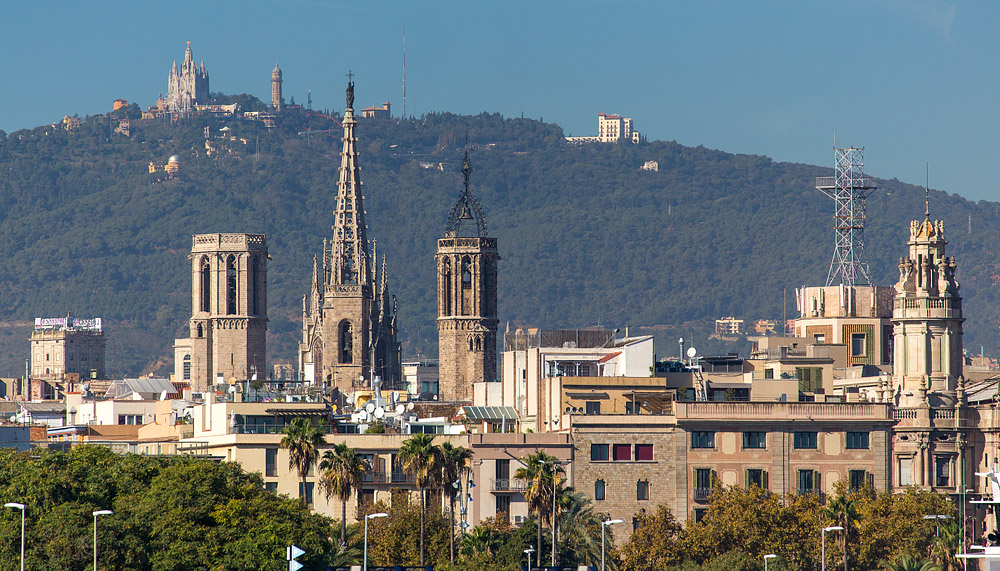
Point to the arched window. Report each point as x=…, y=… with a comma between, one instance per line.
x=231, y=285
x=187, y=367
x=254, y=286
x=446, y=272
x=466, y=272
x=346, y=342
x=599, y=490
x=201, y=330
x=206, y=285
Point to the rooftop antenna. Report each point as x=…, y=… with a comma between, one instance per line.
x=404, y=70
x=309, y=99
x=849, y=189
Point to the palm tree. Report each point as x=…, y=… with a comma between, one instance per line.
x=843, y=512
x=302, y=439
x=342, y=470
x=421, y=459
x=540, y=472
x=910, y=563
x=454, y=463
x=579, y=529
x=946, y=545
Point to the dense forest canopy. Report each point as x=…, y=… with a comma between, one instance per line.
x=586, y=236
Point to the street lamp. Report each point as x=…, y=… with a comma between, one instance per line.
x=18, y=506
x=605, y=524
x=529, y=551
x=768, y=556
x=97, y=513
x=937, y=523
x=368, y=517
x=823, y=542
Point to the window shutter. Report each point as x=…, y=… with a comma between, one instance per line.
x=767, y=485
x=870, y=479
x=816, y=481
x=715, y=478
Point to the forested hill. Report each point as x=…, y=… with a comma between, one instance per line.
x=586, y=236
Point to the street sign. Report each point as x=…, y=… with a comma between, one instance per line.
x=292, y=553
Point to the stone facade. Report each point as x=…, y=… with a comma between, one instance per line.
x=188, y=86
x=349, y=332
x=65, y=351
x=228, y=322
x=467, y=298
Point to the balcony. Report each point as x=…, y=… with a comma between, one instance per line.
x=811, y=492
x=784, y=410
x=701, y=494
x=928, y=307
x=386, y=478
x=508, y=485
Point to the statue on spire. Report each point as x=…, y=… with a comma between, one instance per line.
x=350, y=90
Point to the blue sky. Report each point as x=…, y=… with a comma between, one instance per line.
x=911, y=81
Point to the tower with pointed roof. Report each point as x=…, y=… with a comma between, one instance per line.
x=348, y=318
x=467, y=298
x=276, y=100
x=927, y=318
x=187, y=86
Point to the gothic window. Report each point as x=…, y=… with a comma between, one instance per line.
x=346, y=342
x=231, y=285
x=187, y=367
x=254, y=286
x=446, y=272
x=206, y=285
x=466, y=272
x=201, y=330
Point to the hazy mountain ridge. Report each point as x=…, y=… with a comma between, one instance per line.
x=585, y=235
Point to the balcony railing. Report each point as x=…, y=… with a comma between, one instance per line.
x=811, y=492
x=508, y=485
x=701, y=494
x=386, y=478
x=269, y=429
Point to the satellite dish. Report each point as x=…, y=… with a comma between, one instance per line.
x=370, y=407
x=692, y=352
x=400, y=408
x=379, y=412
x=363, y=417
x=349, y=399
x=163, y=395
x=409, y=406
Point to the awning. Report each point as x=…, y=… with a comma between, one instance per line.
x=490, y=413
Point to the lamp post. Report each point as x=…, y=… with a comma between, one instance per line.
x=768, y=556
x=965, y=519
x=97, y=513
x=554, y=464
x=823, y=542
x=937, y=522
x=529, y=551
x=605, y=524
x=18, y=506
x=368, y=517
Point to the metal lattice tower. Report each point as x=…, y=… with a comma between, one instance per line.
x=849, y=190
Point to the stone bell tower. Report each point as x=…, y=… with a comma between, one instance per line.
x=467, y=298
x=228, y=322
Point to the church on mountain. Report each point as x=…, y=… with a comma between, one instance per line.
x=187, y=86
x=349, y=330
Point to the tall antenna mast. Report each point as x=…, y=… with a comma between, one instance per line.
x=404, y=70
x=849, y=190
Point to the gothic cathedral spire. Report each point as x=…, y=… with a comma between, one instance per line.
x=342, y=345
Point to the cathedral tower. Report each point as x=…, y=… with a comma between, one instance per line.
x=276, y=101
x=927, y=319
x=467, y=298
x=228, y=322
x=348, y=328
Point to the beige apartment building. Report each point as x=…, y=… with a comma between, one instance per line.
x=632, y=463
x=65, y=351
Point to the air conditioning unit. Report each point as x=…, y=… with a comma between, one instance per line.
x=518, y=519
